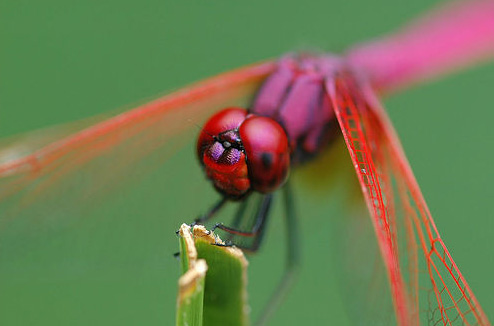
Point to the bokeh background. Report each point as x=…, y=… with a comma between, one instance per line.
x=61, y=61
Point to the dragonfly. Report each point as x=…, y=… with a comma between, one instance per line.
x=39, y=169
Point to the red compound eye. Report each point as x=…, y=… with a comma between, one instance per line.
x=226, y=119
x=268, y=153
x=221, y=153
x=242, y=152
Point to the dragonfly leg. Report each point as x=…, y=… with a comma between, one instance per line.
x=204, y=218
x=239, y=216
x=292, y=258
x=211, y=213
x=258, y=228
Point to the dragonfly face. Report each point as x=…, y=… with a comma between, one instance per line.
x=244, y=152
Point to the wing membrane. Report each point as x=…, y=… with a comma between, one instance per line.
x=425, y=283
x=109, y=151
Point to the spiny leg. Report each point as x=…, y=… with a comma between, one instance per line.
x=292, y=258
x=257, y=231
x=210, y=214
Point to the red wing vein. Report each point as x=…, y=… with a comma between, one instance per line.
x=403, y=222
x=454, y=299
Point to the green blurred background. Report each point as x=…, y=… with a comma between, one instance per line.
x=62, y=61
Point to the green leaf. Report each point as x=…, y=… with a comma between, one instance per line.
x=212, y=289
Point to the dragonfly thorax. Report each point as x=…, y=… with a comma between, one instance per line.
x=295, y=96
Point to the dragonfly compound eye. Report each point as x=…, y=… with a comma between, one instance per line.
x=242, y=152
x=221, y=153
x=268, y=152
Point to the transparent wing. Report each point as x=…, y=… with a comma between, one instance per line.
x=18, y=146
x=87, y=219
x=113, y=147
x=425, y=284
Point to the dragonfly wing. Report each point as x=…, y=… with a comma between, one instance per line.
x=425, y=284
x=108, y=151
x=18, y=146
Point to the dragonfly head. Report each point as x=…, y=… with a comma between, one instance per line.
x=243, y=152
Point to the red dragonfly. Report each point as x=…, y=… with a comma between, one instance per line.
x=39, y=170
